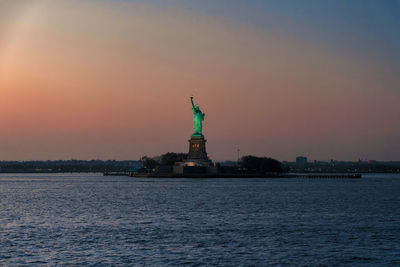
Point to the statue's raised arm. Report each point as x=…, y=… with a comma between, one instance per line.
x=191, y=100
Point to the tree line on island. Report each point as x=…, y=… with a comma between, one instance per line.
x=247, y=163
x=260, y=164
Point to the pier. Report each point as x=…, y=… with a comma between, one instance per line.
x=236, y=175
x=328, y=176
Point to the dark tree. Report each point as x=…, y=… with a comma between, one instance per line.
x=263, y=164
x=148, y=163
x=170, y=158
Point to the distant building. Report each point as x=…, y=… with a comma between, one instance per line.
x=301, y=160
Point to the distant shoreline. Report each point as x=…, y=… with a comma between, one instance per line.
x=101, y=166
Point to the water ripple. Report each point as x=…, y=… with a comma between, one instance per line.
x=91, y=220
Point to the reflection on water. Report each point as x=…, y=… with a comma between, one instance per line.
x=90, y=219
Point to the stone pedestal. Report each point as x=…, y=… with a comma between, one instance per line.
x=197, y=151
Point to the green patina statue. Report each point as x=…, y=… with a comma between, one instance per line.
x=198, y=118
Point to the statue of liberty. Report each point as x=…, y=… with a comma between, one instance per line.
x=198, y=118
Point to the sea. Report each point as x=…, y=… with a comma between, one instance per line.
x=95, y=220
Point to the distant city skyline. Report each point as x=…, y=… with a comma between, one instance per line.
x=112, y=79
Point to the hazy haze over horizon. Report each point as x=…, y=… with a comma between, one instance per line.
x=112, y=79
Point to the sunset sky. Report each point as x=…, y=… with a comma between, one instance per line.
x=107, y=79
